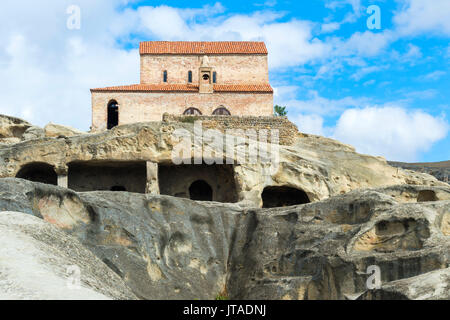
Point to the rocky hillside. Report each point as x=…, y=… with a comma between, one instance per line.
x=319, y=166
x=359, y=214
x=36, y=260
x=170, y=248
x=440, y=170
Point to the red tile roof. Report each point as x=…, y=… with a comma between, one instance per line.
x=203, y=47
x=243, y=88
x=265, y=88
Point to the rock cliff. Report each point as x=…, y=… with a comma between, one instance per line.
x=170, y=248
x=357, y=213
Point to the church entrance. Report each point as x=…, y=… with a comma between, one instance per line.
x=113, y=114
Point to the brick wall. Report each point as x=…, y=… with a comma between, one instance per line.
x=231, y=69
x=150, y=106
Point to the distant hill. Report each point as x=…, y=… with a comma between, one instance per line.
x=441, y=170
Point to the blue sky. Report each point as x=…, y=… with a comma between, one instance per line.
x=384, y=91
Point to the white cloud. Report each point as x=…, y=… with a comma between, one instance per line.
x=414, y=52
x=355, y=4
x=358, y=75
x=369, y=82
x=390, y=131
x=422, y=94
x=311, y=123
x=350, y=17
x=47, y=70
x=365, y=44
x=322, y=106
x=290, y=43
x=412, y=56
x=330, y=27
x=435, y=75
x=329, y=69
x=423, y=16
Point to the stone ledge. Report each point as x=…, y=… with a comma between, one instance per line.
x=287, y=130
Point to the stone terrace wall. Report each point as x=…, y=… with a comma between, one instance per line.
x=287, y=130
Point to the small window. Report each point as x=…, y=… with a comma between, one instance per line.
x=190, y=76
x=214, y=77
x=221, y=111
x=165, y=76
x=192, y=112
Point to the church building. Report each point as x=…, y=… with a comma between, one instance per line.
x=190, y=78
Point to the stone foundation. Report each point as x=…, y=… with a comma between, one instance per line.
x=287, y=130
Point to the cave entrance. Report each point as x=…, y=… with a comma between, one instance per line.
x=273, y=197
x=128, y=176
x=426, y=195
x=200, y=190
x=200, y=182
x=38, y=172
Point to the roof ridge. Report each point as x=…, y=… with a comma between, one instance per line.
x=263, y=87
x=202, y=47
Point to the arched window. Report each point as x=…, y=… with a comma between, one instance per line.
x=38, y=172
x=200, y=191
x=165, y=76
x=214, y=77
x=192, y=112
x=221, y=111
x=113, y=114
x=190, y=76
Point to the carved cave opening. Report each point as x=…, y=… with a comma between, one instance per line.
x=283, y=196
x=200, y=190
x=38, y=172
x=108, y=176
x=198, y=182
x=426, y=195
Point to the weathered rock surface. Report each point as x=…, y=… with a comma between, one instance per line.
x=363, y=212
x=12, y=129
x=35, y=262
x=56, y=130
x=171, y=248
x=319, y=166
x=33, y=133
x=434, y=285
x=440, y=170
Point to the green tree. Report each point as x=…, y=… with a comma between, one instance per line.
x=279, y=111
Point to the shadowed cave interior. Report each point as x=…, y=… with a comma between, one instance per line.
x=273, y=197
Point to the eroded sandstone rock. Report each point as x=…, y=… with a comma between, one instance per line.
x=56, y=130
x=171, y=248
x=434, y=285
x=318, y=166
x=12, y=129
x=36, y=260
